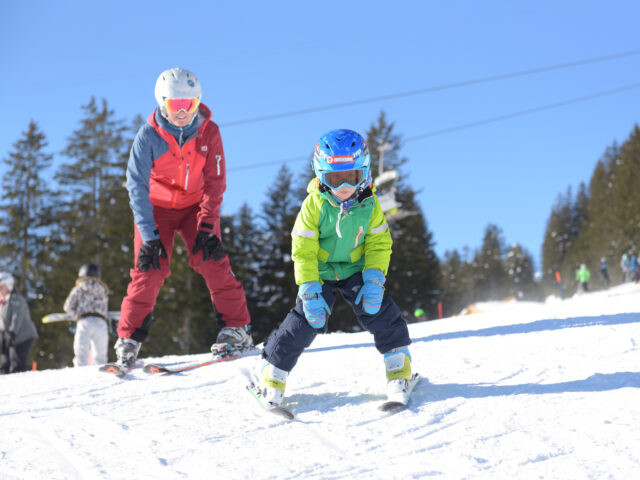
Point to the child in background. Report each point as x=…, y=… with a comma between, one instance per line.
x=88, y=304
x=341, y=241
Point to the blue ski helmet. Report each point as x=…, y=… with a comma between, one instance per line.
x=341, y=157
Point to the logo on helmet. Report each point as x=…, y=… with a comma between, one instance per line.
x=341, y=159
x=191, y=83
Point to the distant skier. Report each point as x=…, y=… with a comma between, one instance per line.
x=17, y=331
x=420, y=315
x=633, y=271
x=582, y=276
x=625, y=266
x=176, y=177
x=341, y=241
x=604, y=273
x=88, y=304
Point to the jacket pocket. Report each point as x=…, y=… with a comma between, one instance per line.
x=323, y=255
x=356, y=254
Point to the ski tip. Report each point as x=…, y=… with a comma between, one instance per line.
x=282, y=412
x=392, y=406
x=114, y=369
x=152, y=368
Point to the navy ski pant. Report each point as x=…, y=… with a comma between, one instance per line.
x=285, y=345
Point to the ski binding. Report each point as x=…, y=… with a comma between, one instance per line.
x=397, y=405
x=282, y=412
x=225, y=350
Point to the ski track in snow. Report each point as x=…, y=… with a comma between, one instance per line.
x=521, y=390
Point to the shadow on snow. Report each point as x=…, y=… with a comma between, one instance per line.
x=599, y=382
x=520, y=328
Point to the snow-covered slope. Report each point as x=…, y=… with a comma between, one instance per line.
x=519, y=391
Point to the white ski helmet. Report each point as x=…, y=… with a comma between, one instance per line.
x=7, y=279
x=176, y=83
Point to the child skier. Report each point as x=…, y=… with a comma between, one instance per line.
x=341, y=241
x=88, y=304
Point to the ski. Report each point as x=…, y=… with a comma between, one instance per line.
x=396, y=405
x=116, y=369
x=155, y=368
x=222, y=350
x=269, y=407
x=62, y=317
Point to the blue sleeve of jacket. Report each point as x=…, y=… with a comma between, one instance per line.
x=138, y=176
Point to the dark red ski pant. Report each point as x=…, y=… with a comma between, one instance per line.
x=226, y=290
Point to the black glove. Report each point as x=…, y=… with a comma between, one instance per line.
x=149, y=255
x=210, y=245
x=9, y=339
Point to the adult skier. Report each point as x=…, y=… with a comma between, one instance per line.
x=176, y=177
x=341, y=241
x=17, y=331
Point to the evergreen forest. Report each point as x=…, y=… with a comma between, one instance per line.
x=60, y=210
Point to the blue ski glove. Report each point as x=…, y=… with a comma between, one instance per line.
x=314, y=305
x=372, y=291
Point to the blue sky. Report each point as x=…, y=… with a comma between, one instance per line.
x=257, y=59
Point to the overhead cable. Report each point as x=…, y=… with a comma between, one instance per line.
x=438, y=88
x=472, y=124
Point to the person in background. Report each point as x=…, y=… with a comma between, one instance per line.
x=420, y=314
x=88, y=304
x=625, y=266
x=582, y=276
x=604, y=273
x=633, y=270
x=17, y=331
x=176, y=177
x=340, y=241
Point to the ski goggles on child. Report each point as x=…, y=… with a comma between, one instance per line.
x=339, y=179
x=174, y=105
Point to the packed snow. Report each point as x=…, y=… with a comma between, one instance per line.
x=520, y=390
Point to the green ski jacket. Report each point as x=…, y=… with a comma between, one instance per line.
x=330, y=244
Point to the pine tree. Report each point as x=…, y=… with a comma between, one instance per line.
x=96, y=150
x=581, y=250
x=384, y=143
x=626, y=196
x=601, y=221
x=276, y=283
x=414, y=271
x=518, y=265
x=489, y=272
x=557, y=240
x=457, y=283
x=241, y=240
x=25, y=224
